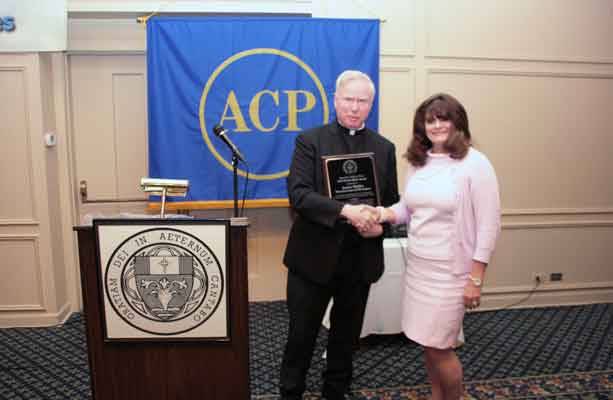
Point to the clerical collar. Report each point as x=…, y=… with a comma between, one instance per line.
x=352, y=132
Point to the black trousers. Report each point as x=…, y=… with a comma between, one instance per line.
x=307, y=302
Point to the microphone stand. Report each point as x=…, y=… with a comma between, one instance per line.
x=235, y=182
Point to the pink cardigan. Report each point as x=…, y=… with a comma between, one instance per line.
x=477, y=218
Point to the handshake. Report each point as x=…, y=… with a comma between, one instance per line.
x=366, y=219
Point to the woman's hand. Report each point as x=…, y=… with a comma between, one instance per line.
x=472, y=295
x=472, y=290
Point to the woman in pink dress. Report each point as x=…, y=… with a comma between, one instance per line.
x=451, y=207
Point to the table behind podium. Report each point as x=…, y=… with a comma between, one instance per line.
x=383, y=310
x=383, y=314
x=384, y=307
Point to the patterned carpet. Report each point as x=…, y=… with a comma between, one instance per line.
x=544, y=353
x=44, y=363
x=553, y=353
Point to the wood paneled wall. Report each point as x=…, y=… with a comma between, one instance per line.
x=535, y=76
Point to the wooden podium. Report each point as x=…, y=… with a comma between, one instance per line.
x=168, y=369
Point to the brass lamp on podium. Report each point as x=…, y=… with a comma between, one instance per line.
x=163, y=188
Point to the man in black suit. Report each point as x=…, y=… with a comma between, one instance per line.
x=334, y=250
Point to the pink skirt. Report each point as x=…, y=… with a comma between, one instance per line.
x=433, y=303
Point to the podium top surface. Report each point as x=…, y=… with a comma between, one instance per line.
x=234, y=221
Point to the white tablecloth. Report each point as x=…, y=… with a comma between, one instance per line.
x=383, y=309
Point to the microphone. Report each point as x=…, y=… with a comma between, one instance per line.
x=220, y=132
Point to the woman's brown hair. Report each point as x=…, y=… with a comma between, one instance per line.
x=444, y=107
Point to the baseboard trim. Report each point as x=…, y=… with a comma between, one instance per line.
x=569, y=296
x=36, y=319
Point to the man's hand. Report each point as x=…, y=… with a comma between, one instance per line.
x=360, y=216
x=374, y=231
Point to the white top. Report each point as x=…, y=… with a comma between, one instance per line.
x=477, y=218
x=432, y=194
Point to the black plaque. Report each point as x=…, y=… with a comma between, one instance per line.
x=352, y=178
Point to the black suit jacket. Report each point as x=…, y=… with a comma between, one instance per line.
x=316, y=236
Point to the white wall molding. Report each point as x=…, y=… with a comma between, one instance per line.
x=555, y=224
x=21, y=307
x=582, y=61
x=557, y=211
x=547, y=288
x=27, y=222
x=552, y=296
x=389, y=68
x=397, y=53
x=34, y=318
x=526, y=73
x=41, y=306
x=552, y=218
x=9, y=68
x=106, y=53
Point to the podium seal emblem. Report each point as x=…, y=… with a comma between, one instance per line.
x=164, y=281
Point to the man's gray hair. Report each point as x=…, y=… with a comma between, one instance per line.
x=350, y=75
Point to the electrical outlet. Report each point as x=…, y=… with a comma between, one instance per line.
x=538, y=277
x=555, y=276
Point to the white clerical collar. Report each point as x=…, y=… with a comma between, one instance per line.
x=352, y=132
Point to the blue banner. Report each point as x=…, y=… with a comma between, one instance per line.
x=264, y=80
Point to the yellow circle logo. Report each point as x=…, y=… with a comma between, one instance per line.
x=228, y=62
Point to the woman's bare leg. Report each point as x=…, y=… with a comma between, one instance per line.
x=444, y=370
